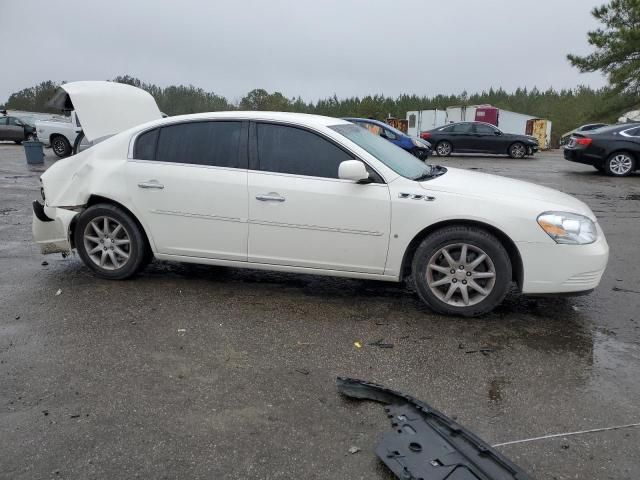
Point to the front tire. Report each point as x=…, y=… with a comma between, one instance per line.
x=620, y=164
x=61, y=146
x=481, y=269
x=517, y=150
x=444, y=148
x=110, y=242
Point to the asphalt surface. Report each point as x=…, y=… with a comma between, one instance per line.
x=203, y=372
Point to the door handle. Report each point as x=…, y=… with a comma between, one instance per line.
x=151, y=184
x=270, y=197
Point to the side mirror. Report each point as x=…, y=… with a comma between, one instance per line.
x=353, y=170
x=497, y=132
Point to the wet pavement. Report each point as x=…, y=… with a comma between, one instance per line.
x=204, y=372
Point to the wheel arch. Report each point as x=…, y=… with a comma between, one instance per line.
x=628, y=151
x=96, y=199
x=56, y=135
x=507, y=243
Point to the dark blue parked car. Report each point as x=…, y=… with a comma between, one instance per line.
x=414, y=145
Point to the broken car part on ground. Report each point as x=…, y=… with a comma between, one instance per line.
x=426, y=444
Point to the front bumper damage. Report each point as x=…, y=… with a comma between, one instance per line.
x=426, y=444
x=51, y=228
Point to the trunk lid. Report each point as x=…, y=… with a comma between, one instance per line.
x=106, y=108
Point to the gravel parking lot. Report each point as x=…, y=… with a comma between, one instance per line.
x=203, y=372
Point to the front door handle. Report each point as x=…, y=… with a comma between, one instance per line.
x=151, y=184
x=270, y=197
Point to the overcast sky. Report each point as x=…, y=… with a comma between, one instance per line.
x=311, y=48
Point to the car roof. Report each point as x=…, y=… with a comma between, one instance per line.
x=304, y=119
x=369, y=120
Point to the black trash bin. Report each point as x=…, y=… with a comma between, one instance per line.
x=34, y=152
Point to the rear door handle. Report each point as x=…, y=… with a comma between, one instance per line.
x=270, y=197
x=151, y=184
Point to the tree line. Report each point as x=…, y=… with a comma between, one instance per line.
x=566, y=108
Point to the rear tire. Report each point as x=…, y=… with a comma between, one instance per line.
x=110, y=242
x=444, y=148
x=517, y=150
x=18, y=142
x=620, y=164
x=60, y=146
x=481, y=269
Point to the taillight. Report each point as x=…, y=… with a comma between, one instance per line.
x=425, y=135
x=584, y=141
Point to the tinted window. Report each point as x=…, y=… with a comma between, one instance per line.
x=286, y=149
x=145, y=148
x=14, y=121
x=198, y=143
x=446, y=129
x=461, y=128
x=485, y=129
x=3, y=120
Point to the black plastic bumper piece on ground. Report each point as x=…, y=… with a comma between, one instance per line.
x=426, y=444
x=38, y=209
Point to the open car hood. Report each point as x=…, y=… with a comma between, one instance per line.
x=106, y=108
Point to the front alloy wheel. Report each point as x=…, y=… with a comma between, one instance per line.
x=461, y=274
x=517, y=150
x=620, y=164
x=461, y=270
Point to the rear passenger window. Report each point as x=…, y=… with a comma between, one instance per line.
x=293, y=150
x=198, y=143
x=145, y=148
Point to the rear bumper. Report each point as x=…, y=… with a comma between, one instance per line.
x=563, y=269
x=50, y=227
x=581, y=156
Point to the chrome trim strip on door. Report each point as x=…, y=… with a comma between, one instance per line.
x=200, y=215
x=316, y=227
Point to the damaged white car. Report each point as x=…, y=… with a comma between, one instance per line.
x=306, y=194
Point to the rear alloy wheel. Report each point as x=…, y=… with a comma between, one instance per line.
x=444, y=148
x=61, y=146
x=110, y=242
x=517, y=150
x=620, y=164
x=462, y=271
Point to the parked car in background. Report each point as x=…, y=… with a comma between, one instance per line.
x=307, y=194
x=614, y=150
x=479, y=137
x=564, y=139
x=15, y=129
x=59, y=135
x=415, y=146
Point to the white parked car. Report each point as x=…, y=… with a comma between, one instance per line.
x=306, y=194
x=60, y=135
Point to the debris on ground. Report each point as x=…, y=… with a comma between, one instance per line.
x=353, y=450
x=58, y=292
x=425, y=443
x=45, y=263
x=380, y=344
x=303, y=371
x=357, y=344
x=484, y=351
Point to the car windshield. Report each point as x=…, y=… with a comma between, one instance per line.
x=395, y=158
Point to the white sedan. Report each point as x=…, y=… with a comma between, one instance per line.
x=305, y=194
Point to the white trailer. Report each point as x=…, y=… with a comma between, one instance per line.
x=421, y=120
